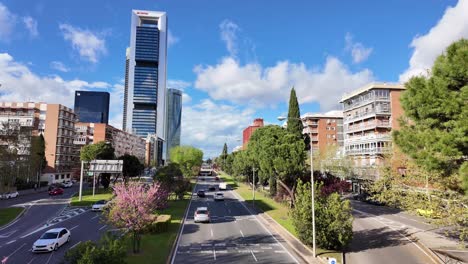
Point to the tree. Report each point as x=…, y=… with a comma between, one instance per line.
x=333, y=218
x=434, y=129
x=189, y=158
x=109, y=250
x=294, y=116
x=133, y=208
x=38, y=160
x=224, y=155
x=101, y=150
x=131, y=165
x=172, y=178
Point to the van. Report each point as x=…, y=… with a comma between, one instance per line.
x=222, y=186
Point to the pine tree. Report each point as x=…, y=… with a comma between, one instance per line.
x=224, y=155
x=294, y=116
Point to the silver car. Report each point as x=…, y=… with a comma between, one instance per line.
x=202, y=215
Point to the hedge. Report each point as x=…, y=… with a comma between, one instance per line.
x=160, y=224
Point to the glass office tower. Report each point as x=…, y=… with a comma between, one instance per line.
x=92, y=107
x=145, y=78
x=174, y=119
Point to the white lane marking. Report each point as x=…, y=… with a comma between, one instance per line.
x=31, y=260
x=24, y=244
x=214, y=254
x=241, y=233
x=376, y=218
x=95, y=217
x=280, y=251
x=13, y=241
x=74, y=227
x=76, y=244
x=48, y=260
x=229, y=210
x=104, y=226
x=220, y=245
x=8, y=234
x=266, y=247
x=211, y=229
x=238, y=197
x=253, y=255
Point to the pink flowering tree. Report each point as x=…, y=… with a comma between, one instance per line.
x=134, y=206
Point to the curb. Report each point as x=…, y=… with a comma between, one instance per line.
x=16, y=218
x=170, y=259
x=427, y=250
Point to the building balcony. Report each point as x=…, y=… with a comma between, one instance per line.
x=372, y=99
x=365, y=115
x=310, y=123
x=367, y=138
x=369, y=125
x=369, y=151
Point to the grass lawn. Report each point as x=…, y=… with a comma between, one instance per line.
x=8, y=214
x=277, y=211
x=89, y=199
x=155, y=248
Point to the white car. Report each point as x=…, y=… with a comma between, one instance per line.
x=99, y=206
x=219, y=196
x=222, y=186
x=202, y=215
x=9, y=195
x=52, y=240
x=67, y=184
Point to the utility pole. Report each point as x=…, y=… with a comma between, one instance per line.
x=253, y=187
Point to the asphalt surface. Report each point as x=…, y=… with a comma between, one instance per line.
x=233, y=236
x=381, y=236
x=16, y=240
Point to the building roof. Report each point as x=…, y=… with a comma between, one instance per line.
x=373, y=85
x=329, y=114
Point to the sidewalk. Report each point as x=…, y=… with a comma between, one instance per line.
x=32, y=191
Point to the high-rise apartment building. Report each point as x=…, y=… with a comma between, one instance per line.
x=92, y=107
x=370, y=114
x=57, y=124
x=145, y=78
x=248, y=131
x=174, y=120
x=326, y=129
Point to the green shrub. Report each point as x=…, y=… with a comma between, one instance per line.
x=160, y=224
x=109, y=250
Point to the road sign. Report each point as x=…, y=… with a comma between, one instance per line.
x=332, y=261
x=105, y=166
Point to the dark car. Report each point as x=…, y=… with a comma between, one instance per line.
x=201, y=193
x=56, y=191
x=211, y=188
x=361, y=197
x=216, y=178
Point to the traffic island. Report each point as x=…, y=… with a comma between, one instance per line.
x=9, y=214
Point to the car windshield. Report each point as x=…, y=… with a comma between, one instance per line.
x=201, y=191
x=219, y=194
x=202, y=212
x=49, y=235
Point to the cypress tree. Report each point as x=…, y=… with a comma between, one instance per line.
x=294, y=116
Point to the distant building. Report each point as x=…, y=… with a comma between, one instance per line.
x=326, y=129
x=123, y=142
x=174, y=120
x=92, y=107
x=370, y=114
x=247, y=133
x=57, y=124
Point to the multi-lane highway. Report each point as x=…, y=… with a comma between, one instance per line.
x=16, y=239
x=233, y=236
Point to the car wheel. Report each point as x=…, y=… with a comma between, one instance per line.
x=68, y=239
x=56, y=247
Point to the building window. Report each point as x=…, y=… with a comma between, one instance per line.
x=333, y=128
x=56, y=177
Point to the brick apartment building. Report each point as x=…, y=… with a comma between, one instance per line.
x=57, y=124
x=327, y=129
x=247, y=133
x=370, y=114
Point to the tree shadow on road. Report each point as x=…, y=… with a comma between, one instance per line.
x=377, y=238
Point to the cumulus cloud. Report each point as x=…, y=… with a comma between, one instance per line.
x=59, y=66
x=229, y=32
x=357, y=49
x=206, y=124
x=7, y=23
x=171, y=39
x=266, y=86
x=31, y=25
x=89, y=45
x=178, y=84
x=186, y=98
x=451, y=27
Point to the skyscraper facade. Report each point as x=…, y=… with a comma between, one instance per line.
x=92, y=107
x=174, y=119
x=145, y=80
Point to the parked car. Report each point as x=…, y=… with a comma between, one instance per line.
x=219, y=196
x=201, y=193
x=9, y=195
x=202, y=215
x=54, y=186
x=56, y=191
x=99, y=206
x=67, y=184
x=52, y=240
x=212, y=188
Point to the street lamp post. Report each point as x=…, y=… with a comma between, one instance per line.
x=281, y=118
x=253, y=187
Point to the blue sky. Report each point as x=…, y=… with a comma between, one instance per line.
x=234, y=60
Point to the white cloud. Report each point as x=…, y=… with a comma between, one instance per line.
x=178, y=84
x=451, y=27
x=89, y=45
x=229, y=32
x=357, y=49
x=31, y=25
x=59, y=66
x=198, y=129
x=171, y=39
x=186, y=98
x=255, y=85
x=7, y=23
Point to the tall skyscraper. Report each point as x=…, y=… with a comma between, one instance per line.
x=174, y=119
x=92, y=107
x=145, y=79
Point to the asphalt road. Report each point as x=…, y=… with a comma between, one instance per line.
x=233, y=236
x=381, y=236
x=16, y=240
